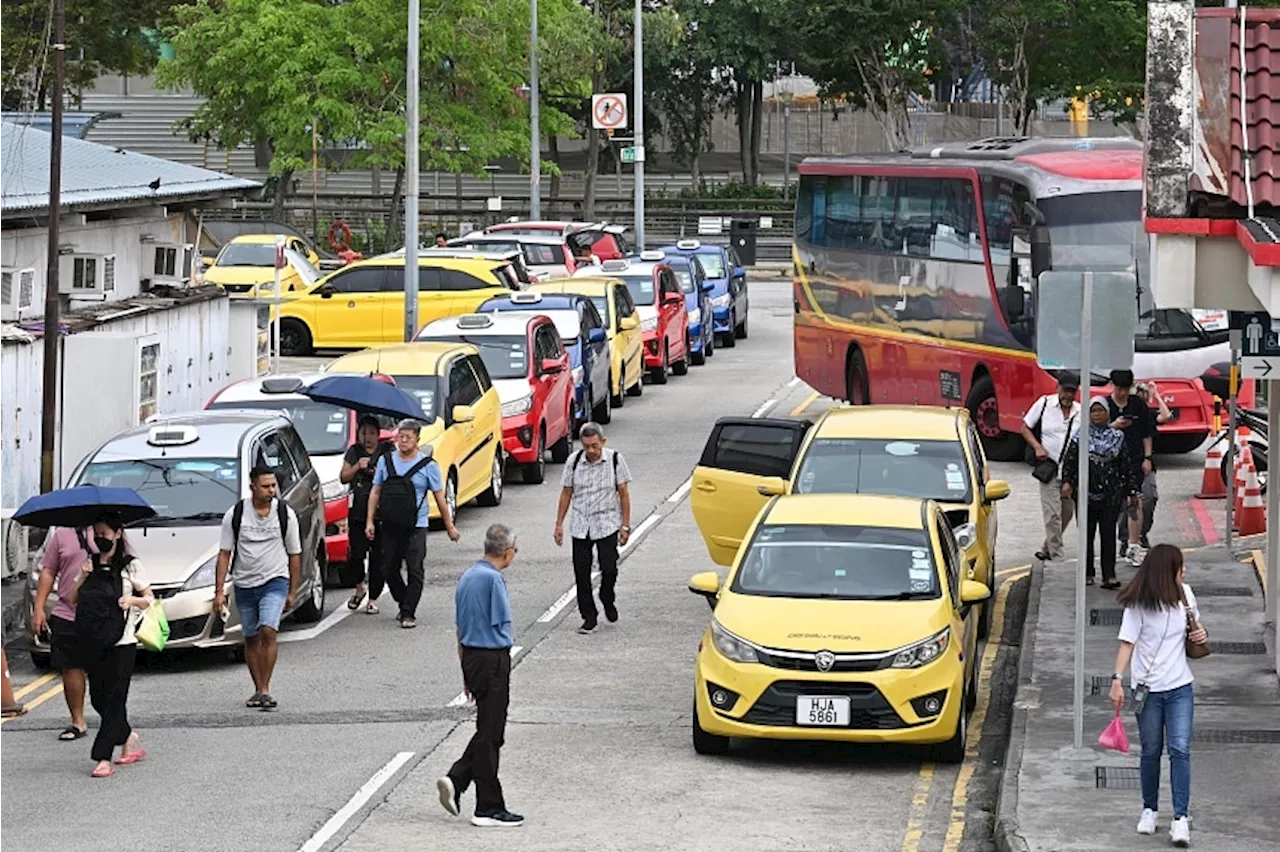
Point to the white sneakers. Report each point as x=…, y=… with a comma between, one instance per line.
x=1136, y=554
x=1179, y=829
x=1180, y=833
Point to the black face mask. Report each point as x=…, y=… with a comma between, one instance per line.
x=103, y=544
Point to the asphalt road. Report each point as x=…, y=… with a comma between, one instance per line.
x=598, y=753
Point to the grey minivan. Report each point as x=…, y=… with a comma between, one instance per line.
x=192, y=468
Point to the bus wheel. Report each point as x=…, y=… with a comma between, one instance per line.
x=1177, y=444
x=857, y=386
x=983, y=406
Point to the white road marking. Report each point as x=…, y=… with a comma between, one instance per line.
x=639, y=531
x=330, y=620
x=795, y=381
x=681, y=491
x=352, y=807
x=561, y=603
x=760, y=412
x=461, y=700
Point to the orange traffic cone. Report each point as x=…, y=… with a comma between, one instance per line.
x=1253, y=516
x=1211, y=485
x=10, y=706
x=1242, y=484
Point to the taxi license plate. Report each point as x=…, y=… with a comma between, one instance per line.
x=822, y=711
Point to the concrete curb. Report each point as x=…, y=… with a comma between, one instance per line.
x=1258, y=559
x=1008, y=833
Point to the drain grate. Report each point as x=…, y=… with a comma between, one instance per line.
x=1238, y=647
x=1116, y=778
x=1249, y=736
x=1225, y=592
x=1111, y=617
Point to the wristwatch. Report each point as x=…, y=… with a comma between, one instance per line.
x=626, y=529
x=1117, y=677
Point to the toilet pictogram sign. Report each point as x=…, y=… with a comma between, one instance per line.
x=609, y=111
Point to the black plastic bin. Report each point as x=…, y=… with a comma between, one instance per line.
x=742, y=236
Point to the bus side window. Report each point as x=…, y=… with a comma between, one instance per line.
x=998, y=211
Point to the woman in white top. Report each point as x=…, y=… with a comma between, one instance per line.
x=1160, y=615
x=111, y=586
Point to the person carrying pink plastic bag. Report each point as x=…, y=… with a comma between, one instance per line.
x=1114, y=736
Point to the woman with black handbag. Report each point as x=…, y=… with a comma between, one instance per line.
x=1112, y=483
x=1048, y=423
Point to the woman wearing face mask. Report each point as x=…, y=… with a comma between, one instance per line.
x=1111, y=484
x=110, y=590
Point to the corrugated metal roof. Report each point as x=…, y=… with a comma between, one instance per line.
x=74, y=124
x=94, y=174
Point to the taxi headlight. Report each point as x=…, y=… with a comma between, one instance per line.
x=695, y=316
x=923, y=652
x=966, y=536
x=721, y=301
x=203, y=577
x=737, y=649
x=332, y=490
x=517, y=406
x=649, y=324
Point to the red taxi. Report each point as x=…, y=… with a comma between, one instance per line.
x=655, y=289
x=530, y=369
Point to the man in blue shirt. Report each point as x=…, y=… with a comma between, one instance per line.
x=483, y=613
x=400, y=485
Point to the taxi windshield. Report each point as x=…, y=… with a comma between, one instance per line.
x=843, y=562
x=640, y=287
x=685, y=278
x=193, y=489
x=923, y=470
x=712, y=264
x=423, y=389
x=247, y=254
x=324, y=429
x=504, y=356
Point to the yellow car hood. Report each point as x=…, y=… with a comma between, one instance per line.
x=844, y=627
x=225, y=275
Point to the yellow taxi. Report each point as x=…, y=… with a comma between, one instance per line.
x=362, y=304
x=622, y=322
x=838, y=629
x=456, y=393
x=921, y=452
x=246, y=265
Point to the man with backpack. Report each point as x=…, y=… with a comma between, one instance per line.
x=595, y=486
x=401, y=482
x=261, y=540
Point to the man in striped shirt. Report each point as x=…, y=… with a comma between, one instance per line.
x=594, y=485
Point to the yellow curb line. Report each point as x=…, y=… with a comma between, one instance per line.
x=808, y=401
x=34, y=685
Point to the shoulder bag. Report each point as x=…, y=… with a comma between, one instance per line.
x=1195, y=650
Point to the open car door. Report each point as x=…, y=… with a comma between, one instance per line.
x=744, y=462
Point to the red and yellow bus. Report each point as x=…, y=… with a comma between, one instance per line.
x=916, y=279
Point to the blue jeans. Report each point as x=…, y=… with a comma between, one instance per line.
x=262, y=606
x=1167, y=715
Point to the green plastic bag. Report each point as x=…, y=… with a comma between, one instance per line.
x=153, y=629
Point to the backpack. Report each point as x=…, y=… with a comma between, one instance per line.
x=573, y=469
x=237, y=518
x=399, y=505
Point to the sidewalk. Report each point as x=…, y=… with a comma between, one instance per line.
x=1050, y=801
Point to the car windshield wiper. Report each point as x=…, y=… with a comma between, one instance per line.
x=197, y=516
x=900, y=596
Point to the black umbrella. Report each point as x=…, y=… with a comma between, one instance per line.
x=366, y=394
x=81, y=506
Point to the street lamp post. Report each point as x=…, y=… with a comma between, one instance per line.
x=639, y=125
x=411, y=179
x=535, y=133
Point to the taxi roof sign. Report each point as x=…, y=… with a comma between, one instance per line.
x=475, y=321
x=526, y=297
x=688, y=245
x=172, y=436
x=653, y=255
x=615, y=266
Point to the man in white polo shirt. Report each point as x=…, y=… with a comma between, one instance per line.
x=1048, y=425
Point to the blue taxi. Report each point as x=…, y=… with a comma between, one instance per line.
x=697, y=299
x=724, y=270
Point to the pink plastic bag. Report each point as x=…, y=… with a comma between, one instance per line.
x=1114, y=736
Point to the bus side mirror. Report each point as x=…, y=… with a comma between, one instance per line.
x=1015, y=302
x=1041, y=260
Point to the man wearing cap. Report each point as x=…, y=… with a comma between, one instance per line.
x=1054, y=416
x=1132, y=415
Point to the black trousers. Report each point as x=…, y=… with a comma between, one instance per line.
x=1104, y=515
x=362, y=549
x=487, y=675
x=607, y=549
x=110, y=671
x=407, y=548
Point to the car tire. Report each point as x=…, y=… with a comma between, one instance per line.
x=709, y=345
x=971, y=694
x=492, y=496
x=983, y=408
x=295, y=338
x=602, y=411
x=638, y=388
x=704, y=743
x=312, y=609
x=561, y=449
x=952, y=751
x=41, y=661
x=729, y=340
x=698, y=358
x=984, y=617
x=535, y=473
x=619, y=398
x=740, y=330
x=451, y=498
x=659, y=374
x=681, y=367
x=858, y=384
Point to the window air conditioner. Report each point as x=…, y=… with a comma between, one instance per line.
x=171, y=264
x=19, y=292
x=87, y=276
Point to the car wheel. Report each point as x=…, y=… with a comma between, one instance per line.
x=638, y=388
x=450, y=499
x=602, y=412
x=709, y=345
x=740, y=330
x=561, y=449
x=312, y=609
x=704, y=743
x=952, y=751
x=700, y=357
x=858, y=390
x=536, y=472
x=985, y=410
x=295, y=337
x=729, y=339
x=984, y=617
x=681, y=367
x=660, y=373
x=40, y=661
x=493, y=494
x=619, y=398
x=971, y=694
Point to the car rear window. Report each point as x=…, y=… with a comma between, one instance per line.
x=542, y=255
x=844, y=562
x=924, y=470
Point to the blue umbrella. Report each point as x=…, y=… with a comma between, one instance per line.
x=81, y=506
x=366, y=394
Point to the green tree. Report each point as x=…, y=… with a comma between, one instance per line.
x=571, y=38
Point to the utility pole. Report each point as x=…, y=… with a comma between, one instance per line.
x=411, y=178
x=535, y=134
x=49, y=412
x=639, y=126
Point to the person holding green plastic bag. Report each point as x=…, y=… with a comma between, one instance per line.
x=111, y=588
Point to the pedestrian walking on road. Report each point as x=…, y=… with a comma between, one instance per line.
x=109, y=595
x=398, y=502
x=1160, y=618
x=1046, y=427
x=66, y=554
x=1149, y=393
x=1132, y=416
x=1112, y=486
x=595, y=486
x=483, y=616
x=262, y=548
x=357, y=471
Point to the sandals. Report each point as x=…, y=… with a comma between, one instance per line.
x=371, y=608
x=1111, y=585
x=268, y=703
x=71, y=732
x=255, y=701
x=1088, y=581
x=408, y=623
x=353, y=603
x=105, y=771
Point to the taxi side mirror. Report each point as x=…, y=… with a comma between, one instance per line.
x=206, y=262
x=463, y=413
x=708, y=286
x=997, y=489
x=552, y=365
x=596, y=335
x=673, y=299
x=706, y=584
x=628, y=324
x=972, y=592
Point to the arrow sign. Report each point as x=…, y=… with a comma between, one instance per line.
x=1259, y=368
